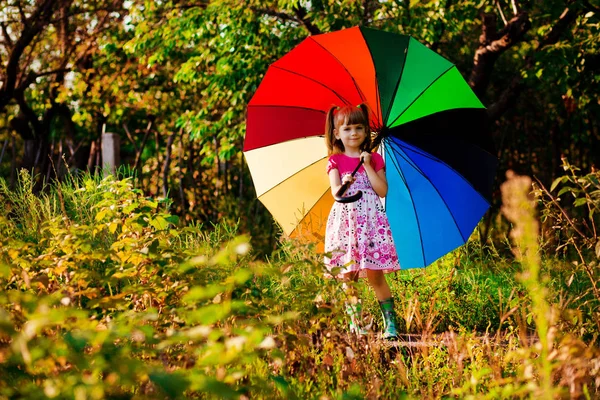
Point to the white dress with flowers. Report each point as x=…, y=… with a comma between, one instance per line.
x=358, y=235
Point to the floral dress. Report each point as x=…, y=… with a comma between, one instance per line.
x=358, y=235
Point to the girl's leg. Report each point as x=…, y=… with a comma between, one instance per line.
x=386, y=303
x=379, y=284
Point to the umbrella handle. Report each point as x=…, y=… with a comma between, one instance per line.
x=349, y=199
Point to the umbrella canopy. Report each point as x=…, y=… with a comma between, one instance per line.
x=439, y=157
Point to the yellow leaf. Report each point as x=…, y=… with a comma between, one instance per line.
x=112, y=227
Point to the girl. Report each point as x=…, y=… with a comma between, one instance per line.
x=358, y=237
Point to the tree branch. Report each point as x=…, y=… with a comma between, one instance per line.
x=436, y=44
x=568, y=16
x=369, y=8
x=301, y=14
x=492, y=45
x=515, y=7
x=513, y=90
x=28, y=113
x=299, y=17
x=506, y=99
x=7, y=37
x=22, y=13
x=501, y=12
x=167, y=162
x=39, y=20
x=591, y=7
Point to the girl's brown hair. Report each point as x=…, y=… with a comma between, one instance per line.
x=349, y=115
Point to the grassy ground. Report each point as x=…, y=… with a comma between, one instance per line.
x=104, y=295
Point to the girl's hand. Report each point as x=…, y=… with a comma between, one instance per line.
x=348, y=178
x=366, y=157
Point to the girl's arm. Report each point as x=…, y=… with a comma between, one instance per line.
x=336, y=183
x=377, y=179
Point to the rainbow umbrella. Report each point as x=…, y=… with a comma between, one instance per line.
x=431, y=126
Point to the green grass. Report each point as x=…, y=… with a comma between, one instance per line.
x=106, y=295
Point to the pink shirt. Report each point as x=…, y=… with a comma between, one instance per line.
x=345, y=164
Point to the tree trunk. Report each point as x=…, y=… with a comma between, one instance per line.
x=32, y=152
x=492, y=44
x=181, y=179
x=13, y=162
x=167, y=164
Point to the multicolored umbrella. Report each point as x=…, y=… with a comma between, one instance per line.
x=440, y=160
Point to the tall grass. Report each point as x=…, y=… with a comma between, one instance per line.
x=104, y=294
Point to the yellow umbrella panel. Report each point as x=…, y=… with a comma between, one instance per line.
x=291, y=181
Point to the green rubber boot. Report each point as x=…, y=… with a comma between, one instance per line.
x=354, y=312
x=390, y=332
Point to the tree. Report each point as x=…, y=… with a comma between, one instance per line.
x=179, y=74
x=42, y=42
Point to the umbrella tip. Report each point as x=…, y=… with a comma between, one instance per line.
x=379, y=135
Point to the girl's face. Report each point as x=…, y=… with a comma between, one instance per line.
x=352, y=136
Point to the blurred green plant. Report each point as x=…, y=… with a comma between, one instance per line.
x=103, y=296
x=108, y=295
x=574, y=230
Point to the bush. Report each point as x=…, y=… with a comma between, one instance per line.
x=106, y=295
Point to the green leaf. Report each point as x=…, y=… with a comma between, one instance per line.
x=159, y=223
x=129, y=208
x=283, y=386
x=4, y=271
x=242, y=275
x=208, y=314
x=198, y=293
x=76, y=342
x=205, y=384
x=223, y=390
x=567, y=189
x=173, y=384
x=173, y=219
x=539, y=73
x=557, y=181
x=580, y=202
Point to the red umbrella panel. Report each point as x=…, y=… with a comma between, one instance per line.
x=286, y=121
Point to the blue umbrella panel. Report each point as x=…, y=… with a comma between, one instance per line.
x=440, y=183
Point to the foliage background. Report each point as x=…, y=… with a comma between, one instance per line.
x=142, y=287
x=173, y=78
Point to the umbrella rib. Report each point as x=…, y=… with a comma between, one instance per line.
x=308, y=212
x=412, y=201
x=376, y=81
x=361, y=94
x=291, y=176
x=420, y=94
x=454, y=139
x=433, y=158
x=407, y=158
x=316, y=81
x=378, y=103
x=397, y=85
